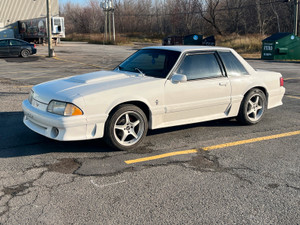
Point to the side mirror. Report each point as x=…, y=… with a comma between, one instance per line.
x=178, y=78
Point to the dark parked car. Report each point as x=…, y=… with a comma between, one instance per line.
x=16, y=47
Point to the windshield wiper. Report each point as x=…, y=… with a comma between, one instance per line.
x=141, y=72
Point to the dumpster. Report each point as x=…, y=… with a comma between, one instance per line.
x=193, y=39
x=173, y=40
x=284, y=46
x=209, y=41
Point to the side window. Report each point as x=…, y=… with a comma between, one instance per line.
x=232, y=64
x=197, y=66
x=15, y=42
x=3, y=43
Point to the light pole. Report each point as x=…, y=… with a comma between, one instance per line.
x=49, y=25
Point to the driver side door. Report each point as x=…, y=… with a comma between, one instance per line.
x=4, y=48
x=206, y=94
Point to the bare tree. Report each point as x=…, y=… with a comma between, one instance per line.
x=182, y=17
x=209, y=13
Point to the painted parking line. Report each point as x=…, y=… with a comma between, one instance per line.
x=23, y=86
x=251, y=140
x=292, y=78
x=209, y=148
x=291, y=96
x=161, y=156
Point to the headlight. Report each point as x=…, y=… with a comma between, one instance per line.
x=64, y=108
x=30, y=96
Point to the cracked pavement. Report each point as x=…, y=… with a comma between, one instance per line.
x=48, y=182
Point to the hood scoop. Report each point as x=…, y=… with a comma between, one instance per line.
x=95, y=77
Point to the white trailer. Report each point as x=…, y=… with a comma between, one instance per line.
x=35, y=30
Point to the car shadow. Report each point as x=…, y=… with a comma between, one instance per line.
x=228, y=122
x=17, y=140
x=16, y=59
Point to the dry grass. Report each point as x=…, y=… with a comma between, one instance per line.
x=248, y=46
x=121, y=39
x=95, y=38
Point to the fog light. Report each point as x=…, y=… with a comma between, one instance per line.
x=54, y=132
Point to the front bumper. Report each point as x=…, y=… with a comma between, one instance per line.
x=63, y=128
x=33, y=51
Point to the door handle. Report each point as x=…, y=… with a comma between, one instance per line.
x=223, y=84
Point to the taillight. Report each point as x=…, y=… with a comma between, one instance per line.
x=281, y=82
x=34, y=45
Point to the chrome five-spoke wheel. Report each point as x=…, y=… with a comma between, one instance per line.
x=253, y=107
x=126, y=127
x=129, y=128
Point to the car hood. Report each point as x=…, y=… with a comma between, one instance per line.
x=69, y=88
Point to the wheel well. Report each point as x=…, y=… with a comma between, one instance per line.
x=260, y=88
x=139, y=104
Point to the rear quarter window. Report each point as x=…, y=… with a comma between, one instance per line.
x=199, y=66
x=232, y=65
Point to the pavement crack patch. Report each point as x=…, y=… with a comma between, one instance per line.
x=205, y=162
x=17, y=190
x=296, y=188
x=111, y=174
x=66, y=166
x=273, y=186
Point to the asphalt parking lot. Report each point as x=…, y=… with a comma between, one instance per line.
x=215, y=172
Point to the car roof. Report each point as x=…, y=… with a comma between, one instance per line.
x=185, y=48
x=2, y=39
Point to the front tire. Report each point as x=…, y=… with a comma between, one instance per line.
x=252, y=107
x=126, y=127
x=25, y=53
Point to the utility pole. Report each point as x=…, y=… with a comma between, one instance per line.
x=105, y=24
x=49, y=25
x=113, y=20
x=108, y=8
x=296, y=17
x=109, y=20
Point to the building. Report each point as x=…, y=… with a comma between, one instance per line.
x=15, y=10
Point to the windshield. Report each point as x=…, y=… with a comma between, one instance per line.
x=150, y=62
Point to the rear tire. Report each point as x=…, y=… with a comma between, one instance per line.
x=252, y=107
x=25, y=53
x=126, y=128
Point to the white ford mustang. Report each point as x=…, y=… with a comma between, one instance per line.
x=155, y=87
